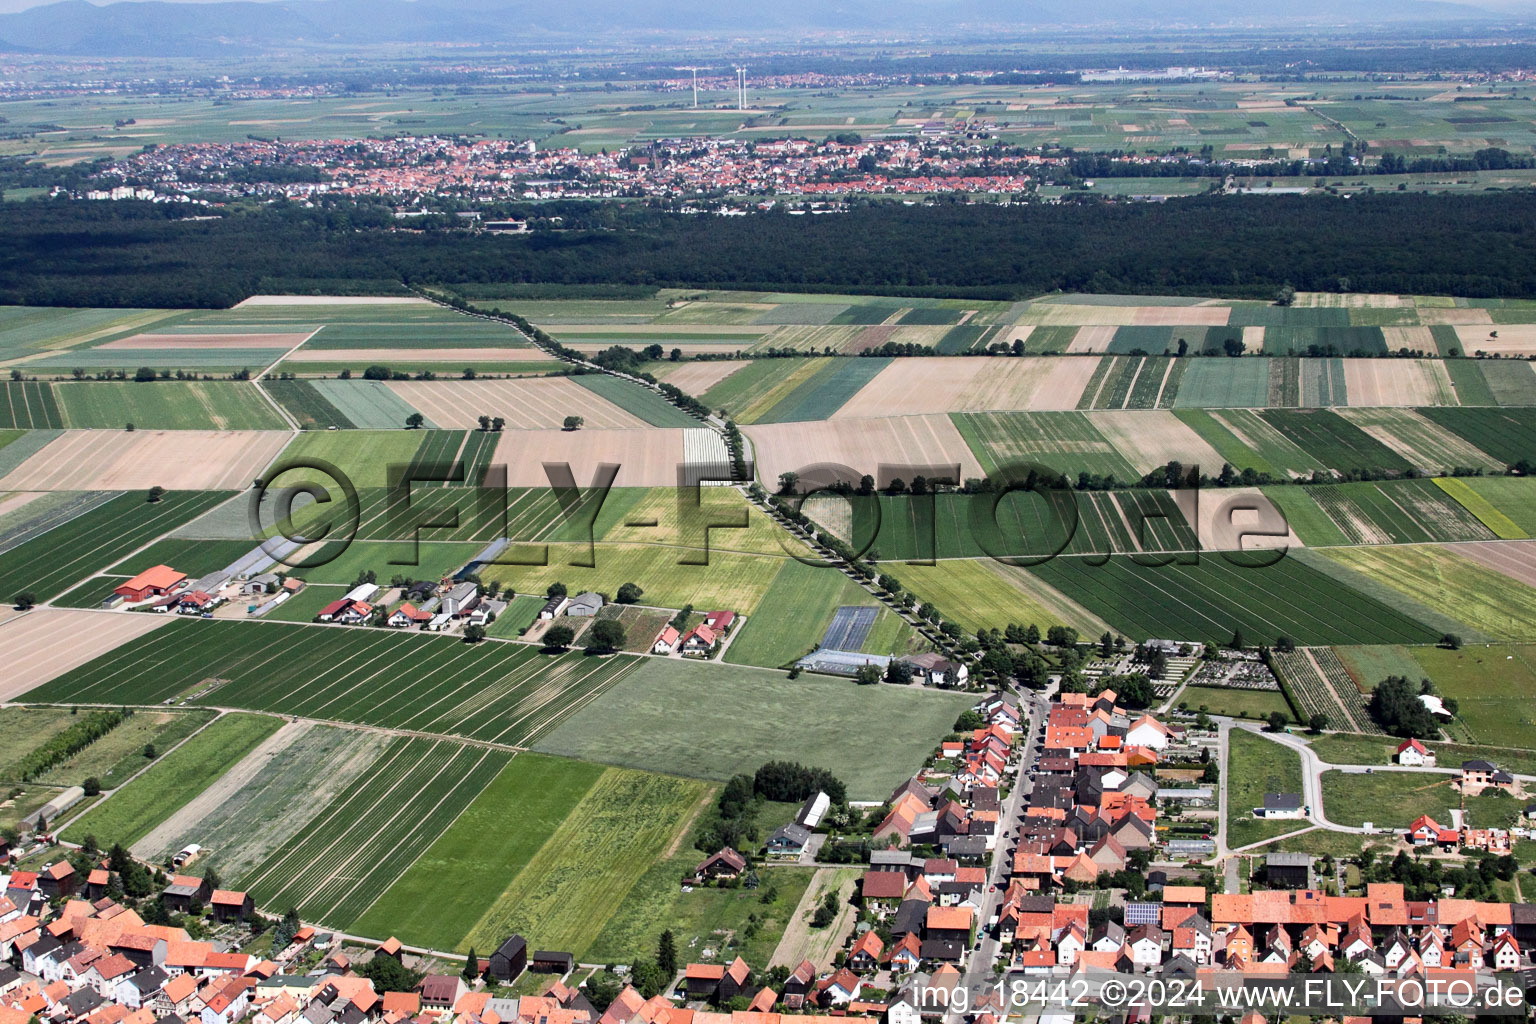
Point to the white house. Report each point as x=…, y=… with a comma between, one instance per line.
x=1415, y=754
x=1147, y=731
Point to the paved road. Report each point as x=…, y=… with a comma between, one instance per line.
x=978, y=968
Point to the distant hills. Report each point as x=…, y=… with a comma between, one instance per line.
x=239, y=27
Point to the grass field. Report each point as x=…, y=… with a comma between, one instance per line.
x=48, y=564
x=167, y=405
x=1206, y=601
x=1370, y=664
x=729, y=580
x=1493, y=686
x=1509, y=382
x=1486, y=601
x=480, y=851
x=111, y=758
x=1257, y=766
x=871, y=737
x=1226, y=700
x=335, y=868
x=1395, y=799
x=174, y=779
x=575, y=881
x=1340, y=748
x=793, y=614
x=505, y=693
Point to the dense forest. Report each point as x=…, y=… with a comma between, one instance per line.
x=133, y=254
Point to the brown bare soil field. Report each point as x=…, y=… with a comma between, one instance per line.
x=1181, y=316
x=528, y=403
x=47, y=642
x=949, y=384
x=1020, y=333
x=863, y=445
x=1149, y=438
x=1397, y=382
x=1253, y=339
x=870, y=337
x=178, y=460
x=697, y=378
x=1513, y=558
x=1223, y=512
x=646, y=458
x=1452, y=315
x=670, y=330
x=1092, y=339
x=1513, y=340
x=174, y=341
x=331, y=300
x=422, y=355
x=1063, y=386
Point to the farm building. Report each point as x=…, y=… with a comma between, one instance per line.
x=229, y=905
x=553, y=607
x=700, y=640
x=409, y=615
x=510, y=959
x=720, y=622
x=547, y=961
x=789, y=840
x=266, y=583
x=156, y=581
x=584, y=605
x=1289, y=870
x=841, y=663
x=937, y=669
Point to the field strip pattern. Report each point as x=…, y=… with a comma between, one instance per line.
x=492, y=692
x=334, y=869
x=34, y=654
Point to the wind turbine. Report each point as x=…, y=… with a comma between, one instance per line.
x=741, y=87
x=695, y=71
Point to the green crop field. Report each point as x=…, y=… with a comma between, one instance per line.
x=167, y=405
x=1397, y=512
x=1487, y=602
x=481, y=852
x=1470, y=382
x=576, y=880
x=304, y=402
x=1310, y=523
x=1208, y=600
x=1067, y=442
x=746, y=385
x=130, y=812
x=1257, y=766
x=193, y=557
x=980, y=593
x=1509, y=381
x=825, y=393
x=48, y=564
x=1332, y=440
x=1509, y=435
x=1430, y=447
x=1493, y=686
x=871, y=737
x=1219, y=436
x=29, y=405
x=1225, y=383
x=793, y=614
x=429, y=560
x=632, y=398
x=335, y=868
x=26, y=330
x=499, y=692
x=450, y=330
x=368, y=404
x=1370, y=664
x=363, y=455
x=1506, y=505
x=1273, y=446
